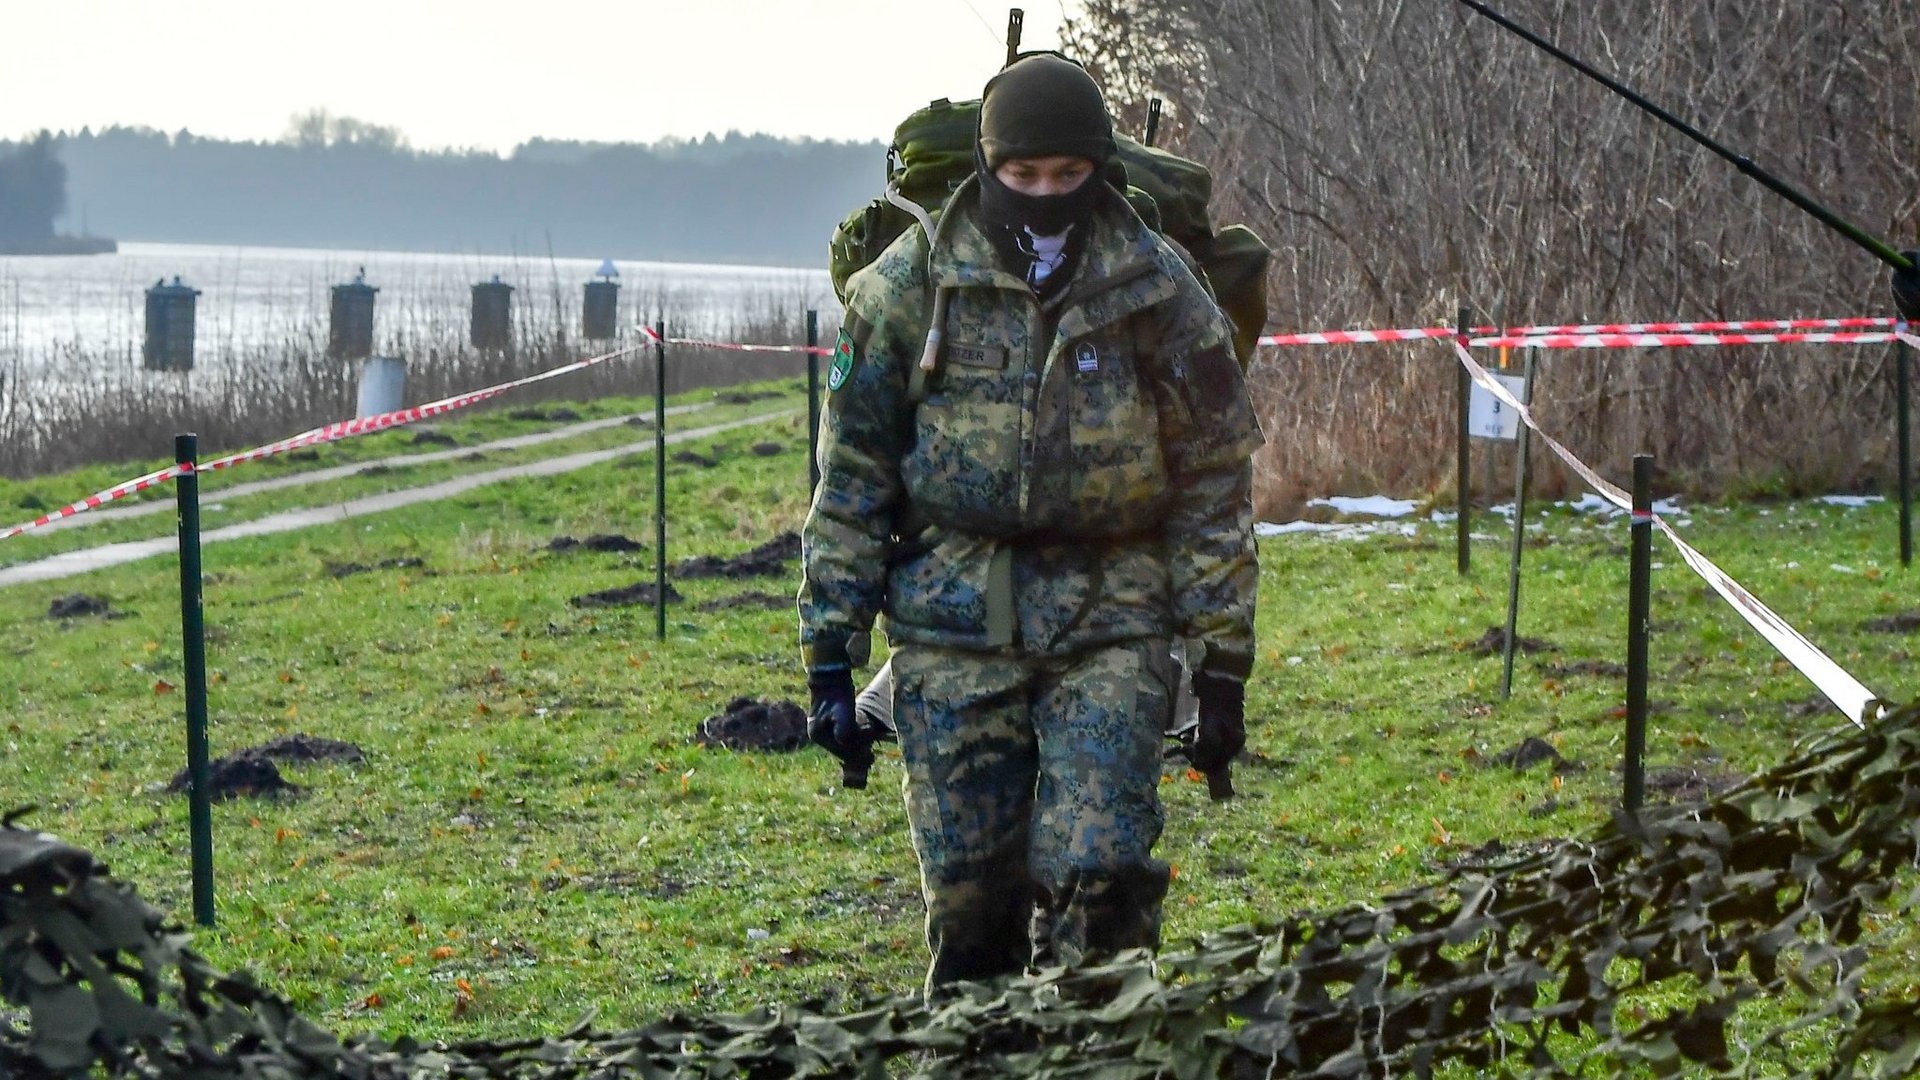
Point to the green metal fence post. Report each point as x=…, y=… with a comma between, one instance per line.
x=186, y=451
x=1463, y=456
x=660, y=477
x=1639, y=601
x=1904, y=432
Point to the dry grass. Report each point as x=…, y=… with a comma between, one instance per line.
x=1404, y=158
x=240, y=397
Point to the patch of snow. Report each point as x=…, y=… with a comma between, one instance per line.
x=1839, y=569
x=1593, y=502
x=1371, y=505
x=1334, y=530
x=1851, y=502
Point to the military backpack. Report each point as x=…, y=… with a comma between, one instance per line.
x=932, y=153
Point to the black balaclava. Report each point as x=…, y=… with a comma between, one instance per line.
x=1041, y=105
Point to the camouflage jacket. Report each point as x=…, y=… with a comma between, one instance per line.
x=1064, y=477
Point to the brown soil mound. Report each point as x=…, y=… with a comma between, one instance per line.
x=301, y=747
x=1494, y=643
x=748, y=724
x=248, y=773
x=78, y=605
x=744, y=397
x=640, y=592
x=252, y=773
x=1606, y=668
x=1528, y=753
x=767, y=559
x=606, y=542
x=348, y=569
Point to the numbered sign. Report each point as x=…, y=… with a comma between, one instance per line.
x=1490, y=418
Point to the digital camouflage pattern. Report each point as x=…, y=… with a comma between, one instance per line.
x=1069, y=486
x=1716, y=940
x=1031, y=788
x=1065, y=478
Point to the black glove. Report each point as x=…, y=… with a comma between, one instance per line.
x=1223, y=730
x=835, y=728
x=1906, y=288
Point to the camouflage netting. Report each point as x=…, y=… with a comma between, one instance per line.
x=1723, y=939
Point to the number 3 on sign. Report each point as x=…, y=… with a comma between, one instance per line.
x=1488, y=417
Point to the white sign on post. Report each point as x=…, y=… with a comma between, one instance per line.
x=1490, y=418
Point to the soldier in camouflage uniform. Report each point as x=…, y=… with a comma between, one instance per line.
x=1034, y=461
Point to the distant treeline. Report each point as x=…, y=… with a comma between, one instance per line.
x=33, y=191
x=335, y=182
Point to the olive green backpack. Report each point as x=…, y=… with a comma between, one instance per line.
x=932, y=153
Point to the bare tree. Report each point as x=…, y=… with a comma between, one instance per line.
x=1405, y=157
x=318, y=128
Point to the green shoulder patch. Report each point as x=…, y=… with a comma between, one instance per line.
x=842, y=361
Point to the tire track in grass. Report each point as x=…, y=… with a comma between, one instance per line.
x=85, y=560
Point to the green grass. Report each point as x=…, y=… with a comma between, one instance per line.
x=23, y=500
x=534, y=825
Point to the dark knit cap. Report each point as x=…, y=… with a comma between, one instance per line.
x=1043, y=105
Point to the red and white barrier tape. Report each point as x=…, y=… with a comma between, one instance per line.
x=1641, y=341
x=1357, y=337
x=1847, y=693
x=118, y=491
x=1856, y=323
x=330, y=433
x=816, y=350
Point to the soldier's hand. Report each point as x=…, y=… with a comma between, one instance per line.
x=833, y=725
x=1906, y=288
x=1223, y=729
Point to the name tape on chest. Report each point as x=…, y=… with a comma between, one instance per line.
x=976, y=356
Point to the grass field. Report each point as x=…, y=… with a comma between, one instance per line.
x=533, y=832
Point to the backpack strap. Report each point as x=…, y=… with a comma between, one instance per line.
x=936, y=328
x=930, y=356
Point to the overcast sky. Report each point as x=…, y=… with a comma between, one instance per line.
x=492, y=73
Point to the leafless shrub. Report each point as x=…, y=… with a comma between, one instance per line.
x=1408, y=157
x=242, y=396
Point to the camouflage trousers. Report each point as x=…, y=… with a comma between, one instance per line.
x=1032, y=793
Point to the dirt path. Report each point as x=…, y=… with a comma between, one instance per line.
x=278, y=483
x=67, y=564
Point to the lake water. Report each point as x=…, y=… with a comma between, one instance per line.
x=89, y=310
